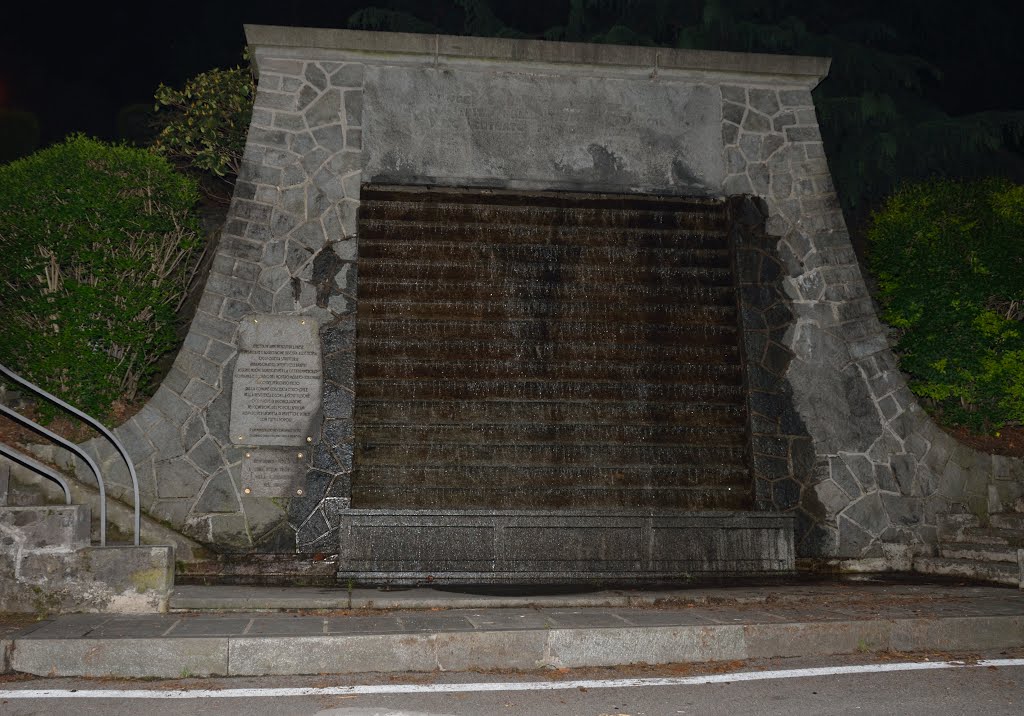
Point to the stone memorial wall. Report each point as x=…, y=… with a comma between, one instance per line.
x=844, y=444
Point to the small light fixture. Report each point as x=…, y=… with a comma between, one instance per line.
x=247, y=490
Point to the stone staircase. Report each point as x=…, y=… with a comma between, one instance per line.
x=49, y=564
x=547, y=351
x=992, y=553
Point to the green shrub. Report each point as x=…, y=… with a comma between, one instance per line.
x=99, y=243
x=949, y=260
x=204, y=124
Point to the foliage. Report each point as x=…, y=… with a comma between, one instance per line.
x=949, y=258
x=99, y=245
x=204, y=124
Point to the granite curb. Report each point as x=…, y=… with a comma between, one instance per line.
x=798, y=622
x=171, y=658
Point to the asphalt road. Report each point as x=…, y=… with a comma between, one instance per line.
x=781, y=686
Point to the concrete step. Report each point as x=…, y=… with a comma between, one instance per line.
x=991, y=535
x=120, y=517
x=981, y=552
x=45, y=527
x=1008, y=521
x=994, y=572
x=812, y=622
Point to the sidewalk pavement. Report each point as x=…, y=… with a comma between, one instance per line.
x=236, y=631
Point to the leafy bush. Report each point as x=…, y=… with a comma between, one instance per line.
x=204, y=124
x=949, y=259
x=99, y=243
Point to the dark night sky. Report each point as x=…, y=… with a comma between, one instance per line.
x=74, y=68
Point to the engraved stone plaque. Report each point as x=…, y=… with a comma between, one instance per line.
x=272, y=473
x=278, y=379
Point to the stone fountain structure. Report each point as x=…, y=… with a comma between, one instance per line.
x=506, y=310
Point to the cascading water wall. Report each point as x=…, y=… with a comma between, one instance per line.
x=547, y=351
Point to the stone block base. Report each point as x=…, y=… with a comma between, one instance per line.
x=45, y=567
x=519, y=546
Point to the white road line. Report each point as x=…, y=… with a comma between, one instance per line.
x=371, y=689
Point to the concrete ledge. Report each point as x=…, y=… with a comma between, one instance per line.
x=166, y=657
x=380, y=546
x=438, y=48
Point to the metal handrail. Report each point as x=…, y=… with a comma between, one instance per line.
x=102, y=429
x=68, y=445
x=37, y=467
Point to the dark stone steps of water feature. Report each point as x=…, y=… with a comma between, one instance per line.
x=374, y=231
x=464, y=412
x=549, y=211
x=557, y=434
x=547, y=390
x=632, y=477
x=425, y=497
x=457, y=369
x=524, y=350
x=564, y=272
x=372, y=349
x=608, y=455
x=644, y=293
x=515, y=198
x=528, y=331
x=513, y=255
x=497, y=310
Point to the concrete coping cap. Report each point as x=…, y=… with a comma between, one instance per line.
x=308, y=42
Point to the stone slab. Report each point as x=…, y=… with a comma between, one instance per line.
x=482, y=546
x=114, y=579
x=278, y=381
x=302, y=40
x=332, y=654
x=429, y=126
x=572, y=648
x=46, y=526
x=126, y=658
x=462, y=649
x=272, y=473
